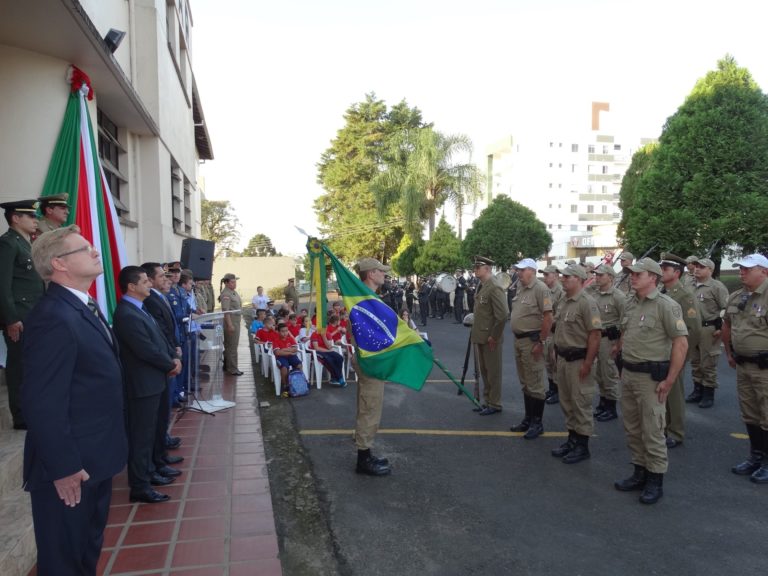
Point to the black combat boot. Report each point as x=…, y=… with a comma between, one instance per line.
x=695, y=396
x=653, y=490
x=756, y=455
x=536, y=427
x=600, y=407
x=609, y=412
x=634, y=482
x=760, y=476
x=368, y=464
x=552, y=397
x=707, y=397
x=526, y=422
x=580, y=450
x=565, y=447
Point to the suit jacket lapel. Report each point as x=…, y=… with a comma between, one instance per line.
x=76, y=303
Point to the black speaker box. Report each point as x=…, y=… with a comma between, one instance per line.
x=197, y=255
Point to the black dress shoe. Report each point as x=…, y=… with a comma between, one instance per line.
x=372, y=466
x=158, y=480
x=149, y=497
x=168, y=459
x=672, y=443
x=168, y=472
x=488, y=410
x=173, y=442
x=19, y=426
x=760, y=476
x=236, y=373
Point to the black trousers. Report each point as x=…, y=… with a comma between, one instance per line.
x=458, y=305
x=424, y=310
x=142, y=432
x=163, y=419
x=13, y=377
x=409, y=303
x=68, y=539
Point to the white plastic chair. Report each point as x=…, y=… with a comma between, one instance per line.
x=272, y=361
x=347, y=351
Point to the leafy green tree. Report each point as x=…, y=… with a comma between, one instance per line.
x=346, y=213
x=641, y=162
x=442, y=252
x=424, y=170
x=709, y=176
x=219, y=224
x=506, y=232
x=404, y=258
x=260, y=245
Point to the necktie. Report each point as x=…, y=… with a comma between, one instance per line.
x=94, y=308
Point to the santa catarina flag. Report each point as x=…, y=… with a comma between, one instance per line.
x=386, y=347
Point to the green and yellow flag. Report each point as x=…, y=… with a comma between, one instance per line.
x=318, y=280
x=386, y=347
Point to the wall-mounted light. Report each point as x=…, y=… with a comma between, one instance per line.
x=113, y=39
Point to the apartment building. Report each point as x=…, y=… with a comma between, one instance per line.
x=151, y=131
x=571, y=179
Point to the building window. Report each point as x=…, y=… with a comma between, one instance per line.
x=550, y=145
x=590, y=227
x=604, y=189
x=574, y=147
x=550, y=184
x=605, y=149
x=550, y=164
x=591, y=149
x=559, y=165
x=574, y=208
x=605, y=209
x=574, y=227
x=590, y=209
x=573, y=167
x=110, y=152
x=617, y=146
x=605, y=169
x=550, y=206
x=559, y=226
x=559, y=185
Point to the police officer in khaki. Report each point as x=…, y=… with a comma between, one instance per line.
x=552, y=280
x=623, y=280
x=712, y=296
x=291, y=295
x=20, y=289
x=577, y=340
x=653, y=346
x=531, y=321
x=610, y=303
x=672, y=267
x=230, y=300
x=370, y=391
x=745, y=336
x=55, y=212
x=487, y=333
x=688, y=279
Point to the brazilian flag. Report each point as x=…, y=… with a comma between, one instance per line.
x=386, y=347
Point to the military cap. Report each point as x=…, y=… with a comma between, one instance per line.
x=459, y=270
x=604, y=269
x=482, y=261
x=751, y=261
x=646, y=265
x=368, y=264
x=229, y=276
x=54, y=200
x=526, y=263
x=20, y=206
x=571, y=262
x=690, y=259
x=626, y=256
x=577, y=271
x=291, y=279
x=669, y=259
x=705, y=262
x=174, y=267
x=551, y=269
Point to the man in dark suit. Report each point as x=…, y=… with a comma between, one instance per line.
x=157, y=305
x=148, y=360
x=72, y=401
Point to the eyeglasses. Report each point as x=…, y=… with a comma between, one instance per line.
x=87, y=248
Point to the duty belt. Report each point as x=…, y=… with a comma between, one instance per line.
x=760, y=359
x=717, y=323
x=657, y=370
x=571, y=354
x=612, y=333
x=533, y=336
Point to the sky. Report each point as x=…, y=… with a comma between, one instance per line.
x=275, y=78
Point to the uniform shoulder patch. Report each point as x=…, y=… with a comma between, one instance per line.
x=677, y=312
x=547, y=301
x=680, y=325
x=596, y=323
x=691, y=313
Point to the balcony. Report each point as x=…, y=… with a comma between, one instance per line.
x=599, y=217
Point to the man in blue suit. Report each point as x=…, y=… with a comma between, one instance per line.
x=72, y=402
x=148, y=360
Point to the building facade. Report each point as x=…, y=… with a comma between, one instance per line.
x=146, y=112
x=571, y=180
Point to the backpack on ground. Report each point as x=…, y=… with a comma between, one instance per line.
x=297, y=384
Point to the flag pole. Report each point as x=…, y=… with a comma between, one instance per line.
x=461, y=387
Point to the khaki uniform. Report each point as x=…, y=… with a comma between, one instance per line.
x=576, y=318
x=20, y=289
x=611, y=306
x=290, y=293
x=689, y=281
x=748, y=316
x=491, y=313
x=528, y=308
x=230, y=300
x=712, y=297
x=370, y=400
x=45, y=225
x=623, y=282
x=675, y=417
x=201, y=297
x=648, y=328
x=210, y=297
x=549, y=344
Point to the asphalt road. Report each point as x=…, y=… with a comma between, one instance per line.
x=468, y=497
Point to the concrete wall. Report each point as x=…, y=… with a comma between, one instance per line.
x=254, y=272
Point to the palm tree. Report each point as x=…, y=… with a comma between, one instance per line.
x=421, y=172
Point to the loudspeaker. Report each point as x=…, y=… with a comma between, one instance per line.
x=197, y=255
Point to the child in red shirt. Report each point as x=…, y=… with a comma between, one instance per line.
x=331, y=359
